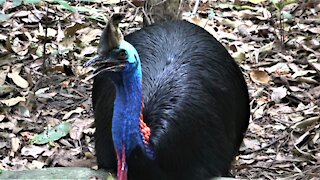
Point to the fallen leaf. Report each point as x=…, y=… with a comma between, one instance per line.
x=78, y=126
x=239, y=56
x=266, y=48
x=23, y=110
x=78, y=110
x=315, y=92
x=13, y=101
x=258, y=76
x=251, y=144
x=41, y=91
x=315, y=30
x=112, y=1
x=32, y=150
x=20, y=47
x=5, y=89
x=279, y=68
x=3, y=74
x=302, y=73
x=87, y=35
x=52, y=134
x=2, y=145
x=22, y=14
x=278, y=94
x=18, y=80
x=15, y=144
x=36, y=165
x=2, y=117
x=7, y=125
x=257, y=1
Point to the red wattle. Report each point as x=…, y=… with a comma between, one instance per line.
x=122, y=171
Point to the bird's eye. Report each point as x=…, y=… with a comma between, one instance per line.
x=122, y=55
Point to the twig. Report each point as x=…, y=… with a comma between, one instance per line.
x=44, y=64
x=135, y=15
x=268, y=145
x=179, y=9
x=195, y=8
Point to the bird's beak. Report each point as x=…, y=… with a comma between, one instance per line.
x=105, y=64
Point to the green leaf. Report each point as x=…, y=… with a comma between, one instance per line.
x=65, y=4
x=16, y=2
x=52, y=134
x=32, y=1
x=2, y=1
x=4, y=17
x=281, y=4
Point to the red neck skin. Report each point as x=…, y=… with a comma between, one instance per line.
x=121, y=157
x=122, y=167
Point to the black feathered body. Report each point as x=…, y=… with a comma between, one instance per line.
x=195, y=102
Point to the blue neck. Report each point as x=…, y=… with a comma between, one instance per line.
x=126, y=131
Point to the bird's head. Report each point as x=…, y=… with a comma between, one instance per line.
x=121, y=60
x=114, y=53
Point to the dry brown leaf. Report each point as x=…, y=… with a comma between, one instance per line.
x=35, y=165
x=2, y=145
x=306, y=123
x=315, y=30
x=257, y=1
x=7, y=125
x=20, y=47
x=259, y=112
x=3, y=74
x=78, y=110
x=78, y=126
x=60, y=34
x=315, y=92
x=71, y=30
x=13, y=101
x=15, y=144
x=317, y=66
x=86, y=51
x=266, y=48
x=239, y=56
x=279, y=68
x=278, y=93
x=2, y=117
x=252, y=143
x=27, y=135
x=302, y=73
x=258, y=76
x=18, y=80
x=112, y=1
x=51, y=32
x=22, y=13
x=87, y=35
x=32, y=150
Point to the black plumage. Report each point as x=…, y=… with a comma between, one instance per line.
x=195, y=103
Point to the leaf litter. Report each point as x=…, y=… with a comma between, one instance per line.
x=276, y=44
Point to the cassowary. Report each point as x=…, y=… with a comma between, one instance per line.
x=169, y=103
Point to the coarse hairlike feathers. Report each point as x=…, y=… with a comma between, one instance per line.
x=195, y=103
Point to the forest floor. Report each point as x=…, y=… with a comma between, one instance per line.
x=276, y=46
